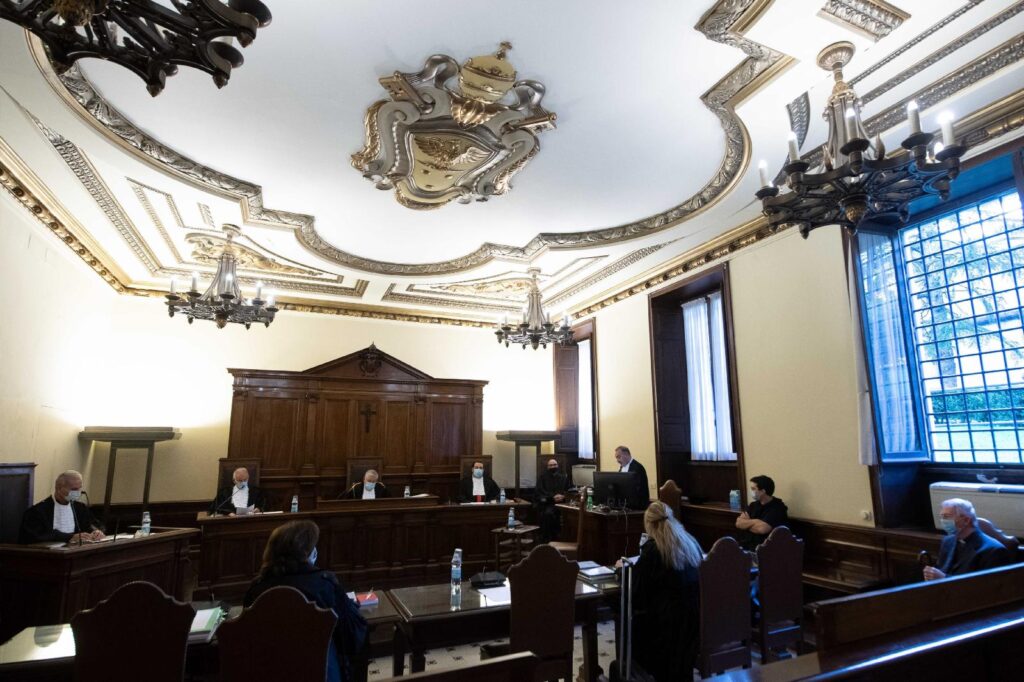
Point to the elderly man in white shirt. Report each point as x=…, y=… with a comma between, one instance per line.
x=61, y=517
x=240, y=495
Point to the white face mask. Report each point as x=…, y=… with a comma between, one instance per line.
x=312, y=556
x=370, y=485
x=478, y=473
x=242, y=485
x=74, y=495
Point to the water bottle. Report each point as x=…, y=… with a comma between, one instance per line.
x=590, y=498
x=295, y=503
x=146, y=524
x=457, y=573
x=408, y=493
x=501, y=496
x=511, y=519
x=734, y=500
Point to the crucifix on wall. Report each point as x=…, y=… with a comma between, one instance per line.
x=367, y=411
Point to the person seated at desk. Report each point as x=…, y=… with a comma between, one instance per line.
x=290, y=560
x=551, y=488
x=666, y=597
x=965, y=548
x=628, y=464
x=239, y=494
x=370, y=489
x=479, y=488
x=60, y=517
x=763, y=514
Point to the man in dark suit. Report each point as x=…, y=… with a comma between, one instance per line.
x=551, y=488
x=965, y=548
x=238, y=494
x=478, y=488
x=641, y=493
x=370, y=489
x=60, y=517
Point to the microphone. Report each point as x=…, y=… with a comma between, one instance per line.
x=229, y=498
x=117, y=527
x=354, y=486
x=77, y=526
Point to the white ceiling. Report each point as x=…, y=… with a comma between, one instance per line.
x=633, y=139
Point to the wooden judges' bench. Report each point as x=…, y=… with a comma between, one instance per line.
x=367, y=543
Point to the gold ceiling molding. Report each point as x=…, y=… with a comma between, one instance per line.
x=433, y=143
x=506, y=284
x=19, y=188
x=872, y=18
x=760, y=65
x=984, y=125
x=207, y=249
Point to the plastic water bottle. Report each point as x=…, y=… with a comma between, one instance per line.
x=147, y=524
x=457, y=573
x=590, y=498
x=734, y=500
x=408, y=492
x=501, y=496
x=295, y=503
x=511, y=519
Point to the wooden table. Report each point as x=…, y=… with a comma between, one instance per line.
x=429, y=619
x=607, y=535
x=44, y=586
x=367, y=543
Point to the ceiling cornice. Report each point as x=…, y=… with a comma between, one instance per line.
x=719, y=24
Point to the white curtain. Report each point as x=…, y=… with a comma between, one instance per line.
x=585, y=393
x=720, y=379
x=700, y=386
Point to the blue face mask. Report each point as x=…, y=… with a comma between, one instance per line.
x=948, y=525
x=312, y=557
x=478, y=473
x=370, y=485
x=242, y=485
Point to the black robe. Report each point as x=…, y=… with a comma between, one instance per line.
x=37, y=523
x=222, y=503
x=491, y=490
x=356, y=492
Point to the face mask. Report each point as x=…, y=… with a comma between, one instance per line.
x=754, y=495
x=312, y=556
x=369, y=486
x=478, y=473
x=242, y=485
x=552, y=470
x=948, y=525
x=74, y=495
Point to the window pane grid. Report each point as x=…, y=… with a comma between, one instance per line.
x=964, y=280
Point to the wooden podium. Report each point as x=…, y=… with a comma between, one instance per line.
x=44, y=586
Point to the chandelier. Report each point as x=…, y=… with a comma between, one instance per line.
x=223, y=300
x=148, y=37
x=856, y=180
x=536, y=328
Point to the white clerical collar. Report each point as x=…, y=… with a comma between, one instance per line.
x=478, y=486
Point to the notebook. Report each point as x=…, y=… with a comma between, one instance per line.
x=204, y=625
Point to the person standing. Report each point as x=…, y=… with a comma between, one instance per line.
x=551, y=488
x=641, y=492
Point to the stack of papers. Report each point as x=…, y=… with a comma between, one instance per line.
x=204, y=625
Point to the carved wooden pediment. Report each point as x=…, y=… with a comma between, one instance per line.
x=369, y=363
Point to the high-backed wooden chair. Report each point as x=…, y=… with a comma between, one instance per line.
x=357, y=468
x=542, y=613
x=780, y=561
x=466, y=465
x=227, y=465
x=137, y=633
x=571, y=550
x=724, y=608
x=672, y=496
x=1008, y=541
x=282, y=636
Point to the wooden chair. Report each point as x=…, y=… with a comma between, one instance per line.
x=282, y=636
x=724, y=608
x=571, y=550
x=780, y=560
x=137, y=633
x=672, y=496
x=227, y=465
x=1008, y=541
x=542, y=613
x=357, y=468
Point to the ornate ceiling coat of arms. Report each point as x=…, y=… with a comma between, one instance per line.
x=433, y=142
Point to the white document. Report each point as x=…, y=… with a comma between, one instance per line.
x=204, y=623
x=599, y=572
x=496, y=595
x=587, y=564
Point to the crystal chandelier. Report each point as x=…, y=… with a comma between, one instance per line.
x=223, y=300
x=148, y=37
x=856, y=180
x=536, y=328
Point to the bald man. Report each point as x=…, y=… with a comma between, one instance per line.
x=61, y=517
x=238, y=494
x=551, y=487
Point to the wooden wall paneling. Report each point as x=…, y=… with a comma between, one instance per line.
x=450, y=419
x=397, y=451
x=566, y=367
x=336, y=419
x=274, y=429
x=17, y=488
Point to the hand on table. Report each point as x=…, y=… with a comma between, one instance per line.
x=932, y=573
x=559, y=497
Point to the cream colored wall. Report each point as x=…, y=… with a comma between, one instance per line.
x=795, y=374
x=72, y=353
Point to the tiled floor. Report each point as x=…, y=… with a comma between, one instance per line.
x=456, y=656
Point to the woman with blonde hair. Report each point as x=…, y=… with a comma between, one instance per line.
x=666, y=597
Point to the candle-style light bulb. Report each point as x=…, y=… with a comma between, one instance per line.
x=794, y=152
x=851, y=124
x=946, y=123
x=259, y=290
x=195, y=282
x=173, y=286
x=270, y=301
x=914, y=116
x=937, y=149
x=762, y=168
